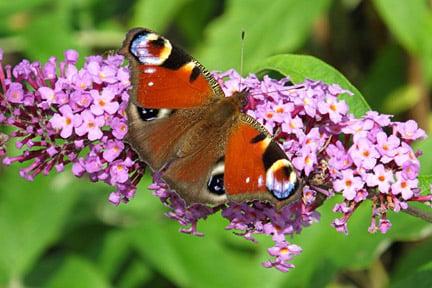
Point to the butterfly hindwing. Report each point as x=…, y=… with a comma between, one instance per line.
x=255, y=166
x=157, y=141
x=242, y=164
x=196, y=172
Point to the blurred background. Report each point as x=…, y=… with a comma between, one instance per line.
x=61, y=232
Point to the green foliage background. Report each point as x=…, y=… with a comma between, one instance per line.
x=61, y=232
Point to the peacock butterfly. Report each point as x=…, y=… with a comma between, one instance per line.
x=181, y=124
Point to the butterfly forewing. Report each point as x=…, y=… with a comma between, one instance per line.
x=163, y=75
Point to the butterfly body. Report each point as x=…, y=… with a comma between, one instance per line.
x=200, y=142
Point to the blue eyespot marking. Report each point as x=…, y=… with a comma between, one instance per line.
x=282, y=190
x=150, y=48
x=281, y=179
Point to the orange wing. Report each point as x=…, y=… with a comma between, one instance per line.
x=163, y=75
x=255, y=166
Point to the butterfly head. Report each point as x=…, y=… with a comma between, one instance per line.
x=241, y=98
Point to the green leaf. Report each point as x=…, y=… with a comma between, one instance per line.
x=9, y=7
x=77, y=272
x=114, y=251
x=424, y=182
x=412, y=260
x=32, y=215
x=411, y=23
x=426, y=158
x=407, y=96
x=209, y=261
x=420, y=278
x=155, y=14
x=136, y=275
x=378, y=85
x=193, y=19
x=301, y=67
x=271, y=27
x=50, y=33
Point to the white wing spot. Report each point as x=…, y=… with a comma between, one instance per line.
x=150, y=84
x=149, y=70
x=163, y=113
x=219, y=169
x=260, y=181
x=248, y=179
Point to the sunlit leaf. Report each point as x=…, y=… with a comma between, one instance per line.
x=407, y=97
x=411, y=23
x=77, y=272
x=399, y=16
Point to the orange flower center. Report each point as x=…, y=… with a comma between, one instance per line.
x=333, y=107
x=348, y=183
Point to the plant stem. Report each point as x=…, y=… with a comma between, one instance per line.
x=416, y=212
x=413, y=211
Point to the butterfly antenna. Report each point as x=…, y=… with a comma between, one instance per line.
x=242, y=51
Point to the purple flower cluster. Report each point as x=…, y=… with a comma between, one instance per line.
x=362, y=158
x=64, y=115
